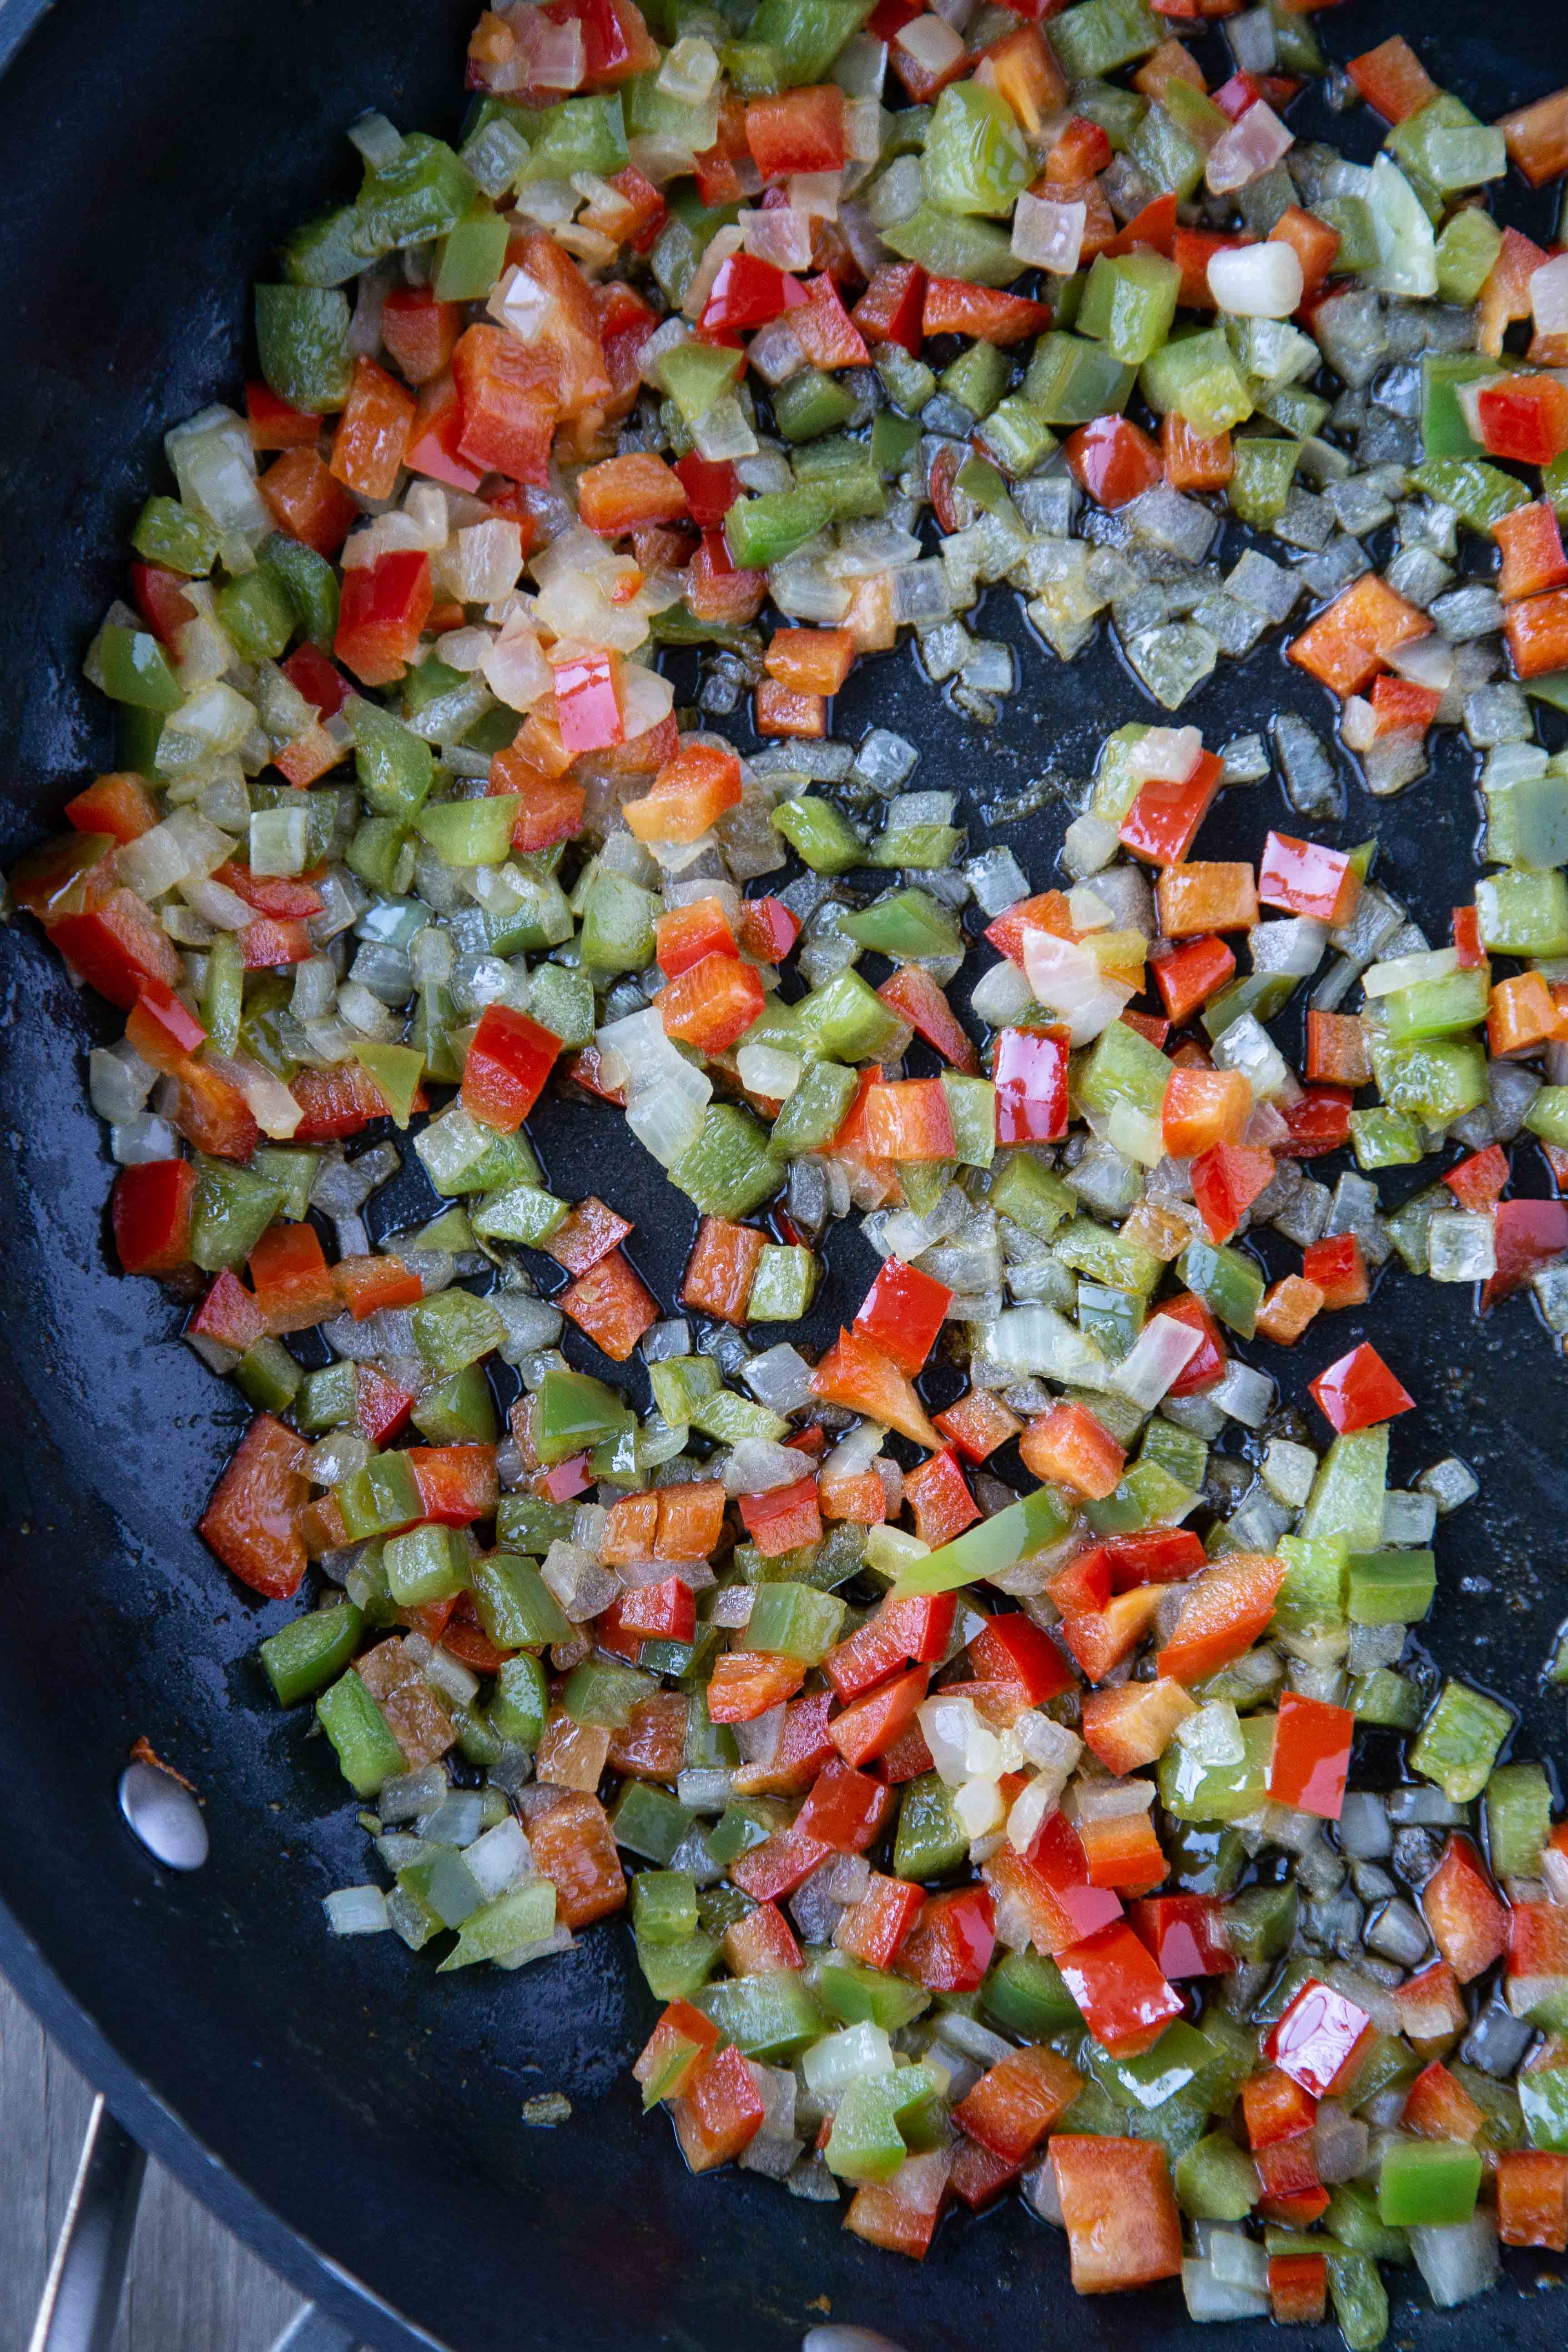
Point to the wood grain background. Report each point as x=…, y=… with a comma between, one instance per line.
x=191, y=2287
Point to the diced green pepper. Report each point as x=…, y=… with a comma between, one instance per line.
x=358, y=1731
x=1457, y=1744
x=302, y=342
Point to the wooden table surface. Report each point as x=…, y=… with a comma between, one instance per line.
x=191, y=2287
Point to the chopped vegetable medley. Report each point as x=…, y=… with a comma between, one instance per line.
x=965, y=1717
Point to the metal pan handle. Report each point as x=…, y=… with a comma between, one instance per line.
x=81, y=2296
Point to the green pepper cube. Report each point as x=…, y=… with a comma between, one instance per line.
x=515, y=1606
x=1428, y=2184
x=783, y=1286
x=1391, y=1588
x=524, y=1916
x=648, y=1820
x=572, y=1413
x=520, y=1701
x=1457, y=1744
x=429, y=1564
x=358, y=1731
x=1518, y=1820
x=794, y=1621
x=824, y=837
x=312, y=1651
x=1130, y=302
x=729, y=1170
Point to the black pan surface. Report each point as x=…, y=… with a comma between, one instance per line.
x=354, y=2116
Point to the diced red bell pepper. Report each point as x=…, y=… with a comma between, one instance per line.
x=1190, y=973
x=845, y=1810
x=1336, y=1265
x=1125, y=2001
x=1016, y=2102
x=1113, y=459
x=612, y=1304
x=161, y=1028
x=574, y=1847
x=747, y=293
x=908, y=1628
x=746, y=1683
x=1162, y=822
x=1437, y=2106
x=1123, y=1851
x=1311, y=1758
x=1293, y=2192
x=160, y=600
x=1360, y=1389
x=1101, y=1638
x=760, y=1942
x=508, y=404
x=1528, y=1234
x=909, y=1120
x=117, y=804
x=588, y=701
x=869, y=1726
x=1226, y=1180
x=624, y=494
x=876, y=1928
x=275, y=423
x=1537, y=632
x=721, y=1269
x=712, y=1004
x=783, y=1517
x=914, y=996
x=458, y=1483
x=1013, y=1649
x=951, y=1950
x=507, y=1063
x=381, y=1407
x=1194, y=461
x=1030, y=1076
x=305, y=502
x=978, y=1424
x=150, y=1211
x=1536, y=137
x=373, y=431
x=1477, y=1181
x=1523, y=418
x=689, y=795
x=857, y=1374
x=1184, y=1934
x=336, y=1103
x=890, y=309
x=383, y=609
x=228, y=1314
x=904, y=1316
x=940, y=1498
x=798, y=130
x=1467, y=1917
x=252, y=1521
x=1319, y=1120
x=1226, y=1611
x=1133, y=1724
x=901, y=2217
x=685, y=935
x=1203, y=1111
x=1305, y=877
x=1069, y=1444
x=1320, y=2039
x=1530, y=538
x=1275, y=2107
x=1351, y=639
x=435, y=438
x=824, y=328
x=769, y=929
x=1122, y=2225
x=665, y=1612
x=292, y=1280
x=1533, y=2199
x=711, y=488
x=1208, y=1365
x=1393, y=79
x=954, y=307
x=420, y=332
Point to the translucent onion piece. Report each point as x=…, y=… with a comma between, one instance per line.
x=1068, y=980
x=1257, y=281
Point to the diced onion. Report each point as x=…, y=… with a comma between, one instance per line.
x=1068, y=980
x=1255, y=143
x=928, y=42
x=1257, y=281
x=1048, y=233
x=1549, y=296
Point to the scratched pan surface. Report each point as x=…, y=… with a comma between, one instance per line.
x=351, y=2113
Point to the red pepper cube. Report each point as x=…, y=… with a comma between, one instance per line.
x=745, y=1684
x=721, y=1268
x=915, y=998
x=889, y=310
x=1319, y=1120
x=782, y=1519
x=612, y=1304
x=954, y=307
x=1533, y=2199
x=252, y=1521
x=1227, y=1607
x=941, y=1500
x=721, y=2112
x=1275, y=2107
x=1523, y=418
x=1069, y=1444
x=1303, y=878
x=760, y=1942
x=810, y=661
x=845, y=1811
x=589, y=1233
x=151, y=1213
x=867, y=1726
x=1528, y=1234
x=588, y=702
x=625, y=494
x=1351, y=639
x=1162, y=822
x=875, y=1928
x=678, y=2043
x=1226, y=1180
x=978, y=1424
x=382, y=608
x=798, y=130
x=1311, y=1758
x=1359, y=1391
x=1030, y=1076
x=768, y=929
x=509, y=1061
x=1123, y=2227
x=1133, y=1723
x=1123, y=1851
x=1337, y=1049
x=1336, y=1266
x=1320, y=2039
x=1016, y=2102
x=1467, y=1918
x=1532, y=557
x=1013, y=1651
x=293, y=1282
x=420, y=332
x=689, y=795
x=1393, y=79
x=1125, y=2001
x=712, y=1003
x=951, y=1950
x=824, y=328
x=1184, y=1933
x=666, y=1612
x=373, y=431
x=1114, y=460
x=1188, y=975
x=903, y=1314
x=509, y=399
x=1201, y=897
x=909, y=1120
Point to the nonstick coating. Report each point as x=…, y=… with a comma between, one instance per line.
x=343, y=2106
